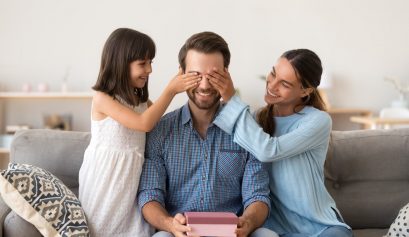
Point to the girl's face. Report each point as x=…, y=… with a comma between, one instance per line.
x=283, y=87
x=139, y=71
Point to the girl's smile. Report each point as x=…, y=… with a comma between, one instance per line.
x=140, y=71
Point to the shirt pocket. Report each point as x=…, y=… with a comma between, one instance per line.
x=231, y=163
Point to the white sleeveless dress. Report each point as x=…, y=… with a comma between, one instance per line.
x=109, y=179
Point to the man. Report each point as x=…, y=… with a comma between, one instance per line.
x=192, y=165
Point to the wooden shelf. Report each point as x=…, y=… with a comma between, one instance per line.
x=341, y=117
x=364, y=112
x=46, y=95
x=375, y=122
x=4, y=150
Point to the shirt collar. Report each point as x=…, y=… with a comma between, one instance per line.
x=187, y=116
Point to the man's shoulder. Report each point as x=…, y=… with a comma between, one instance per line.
x=171, y=116
x=168, y=120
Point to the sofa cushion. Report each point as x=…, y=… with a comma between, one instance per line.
x=15, y=226
x=43, y=200
x=59, y=152
x=370, y=232
x=367, y=174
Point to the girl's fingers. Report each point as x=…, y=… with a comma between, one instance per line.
x=186, y=75
x=191, y=76
x=191, y=84
x=192, y=80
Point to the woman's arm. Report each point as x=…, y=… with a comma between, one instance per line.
x=236, y=119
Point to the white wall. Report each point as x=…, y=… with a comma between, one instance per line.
x=360, y=41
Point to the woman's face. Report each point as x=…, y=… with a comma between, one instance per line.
x=283, y=87
x=139, y=72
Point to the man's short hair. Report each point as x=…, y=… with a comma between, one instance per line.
x=205, y=42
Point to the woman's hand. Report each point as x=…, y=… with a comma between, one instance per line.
x=222, y=82
x=183, y=82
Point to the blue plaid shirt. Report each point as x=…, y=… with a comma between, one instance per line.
x=184, y=172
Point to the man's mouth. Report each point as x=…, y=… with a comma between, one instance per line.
x=205, y=93
x=201, y=93
x=272, y=94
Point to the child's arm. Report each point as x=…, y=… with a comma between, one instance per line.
x=105, y=105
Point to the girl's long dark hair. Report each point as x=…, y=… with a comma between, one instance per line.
x=308, y=68
x=123, y=47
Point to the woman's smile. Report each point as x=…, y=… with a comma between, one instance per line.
x=272, y=94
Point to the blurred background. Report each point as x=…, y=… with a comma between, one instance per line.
x=50, y=51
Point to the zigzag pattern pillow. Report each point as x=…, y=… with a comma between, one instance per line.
x=43, y=200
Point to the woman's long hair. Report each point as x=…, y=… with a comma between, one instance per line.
x=308, y=69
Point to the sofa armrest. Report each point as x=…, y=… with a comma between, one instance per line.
x=4, y=211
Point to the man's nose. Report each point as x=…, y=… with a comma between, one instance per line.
x=204, y=83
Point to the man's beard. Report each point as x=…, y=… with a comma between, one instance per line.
x=204, y=105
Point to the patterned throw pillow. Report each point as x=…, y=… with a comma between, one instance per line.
x=43, y=200
x=400, y=227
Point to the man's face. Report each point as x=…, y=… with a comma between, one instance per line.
x=205, y=96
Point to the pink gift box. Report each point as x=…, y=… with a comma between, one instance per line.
x=221, y=224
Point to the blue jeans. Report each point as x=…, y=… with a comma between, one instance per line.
x=260, y=232
x=333, y=231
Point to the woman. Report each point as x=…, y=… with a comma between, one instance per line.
x=291, y=133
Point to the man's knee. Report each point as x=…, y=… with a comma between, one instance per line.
x=162, y=234
x=264, y=232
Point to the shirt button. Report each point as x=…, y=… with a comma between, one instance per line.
x=203, y=178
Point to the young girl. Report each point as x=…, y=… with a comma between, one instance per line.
x=292, y=134
x=109, y=175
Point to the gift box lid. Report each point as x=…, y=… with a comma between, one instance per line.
x=211, y=218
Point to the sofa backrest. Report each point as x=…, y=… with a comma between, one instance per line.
x=367, y=173
x=59, y=152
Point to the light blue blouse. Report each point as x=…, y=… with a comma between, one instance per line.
x=296, y=154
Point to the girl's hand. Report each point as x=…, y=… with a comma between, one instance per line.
x=183, y=82
x=222, y=82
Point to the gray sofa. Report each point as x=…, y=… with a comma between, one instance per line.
x=367, y=173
